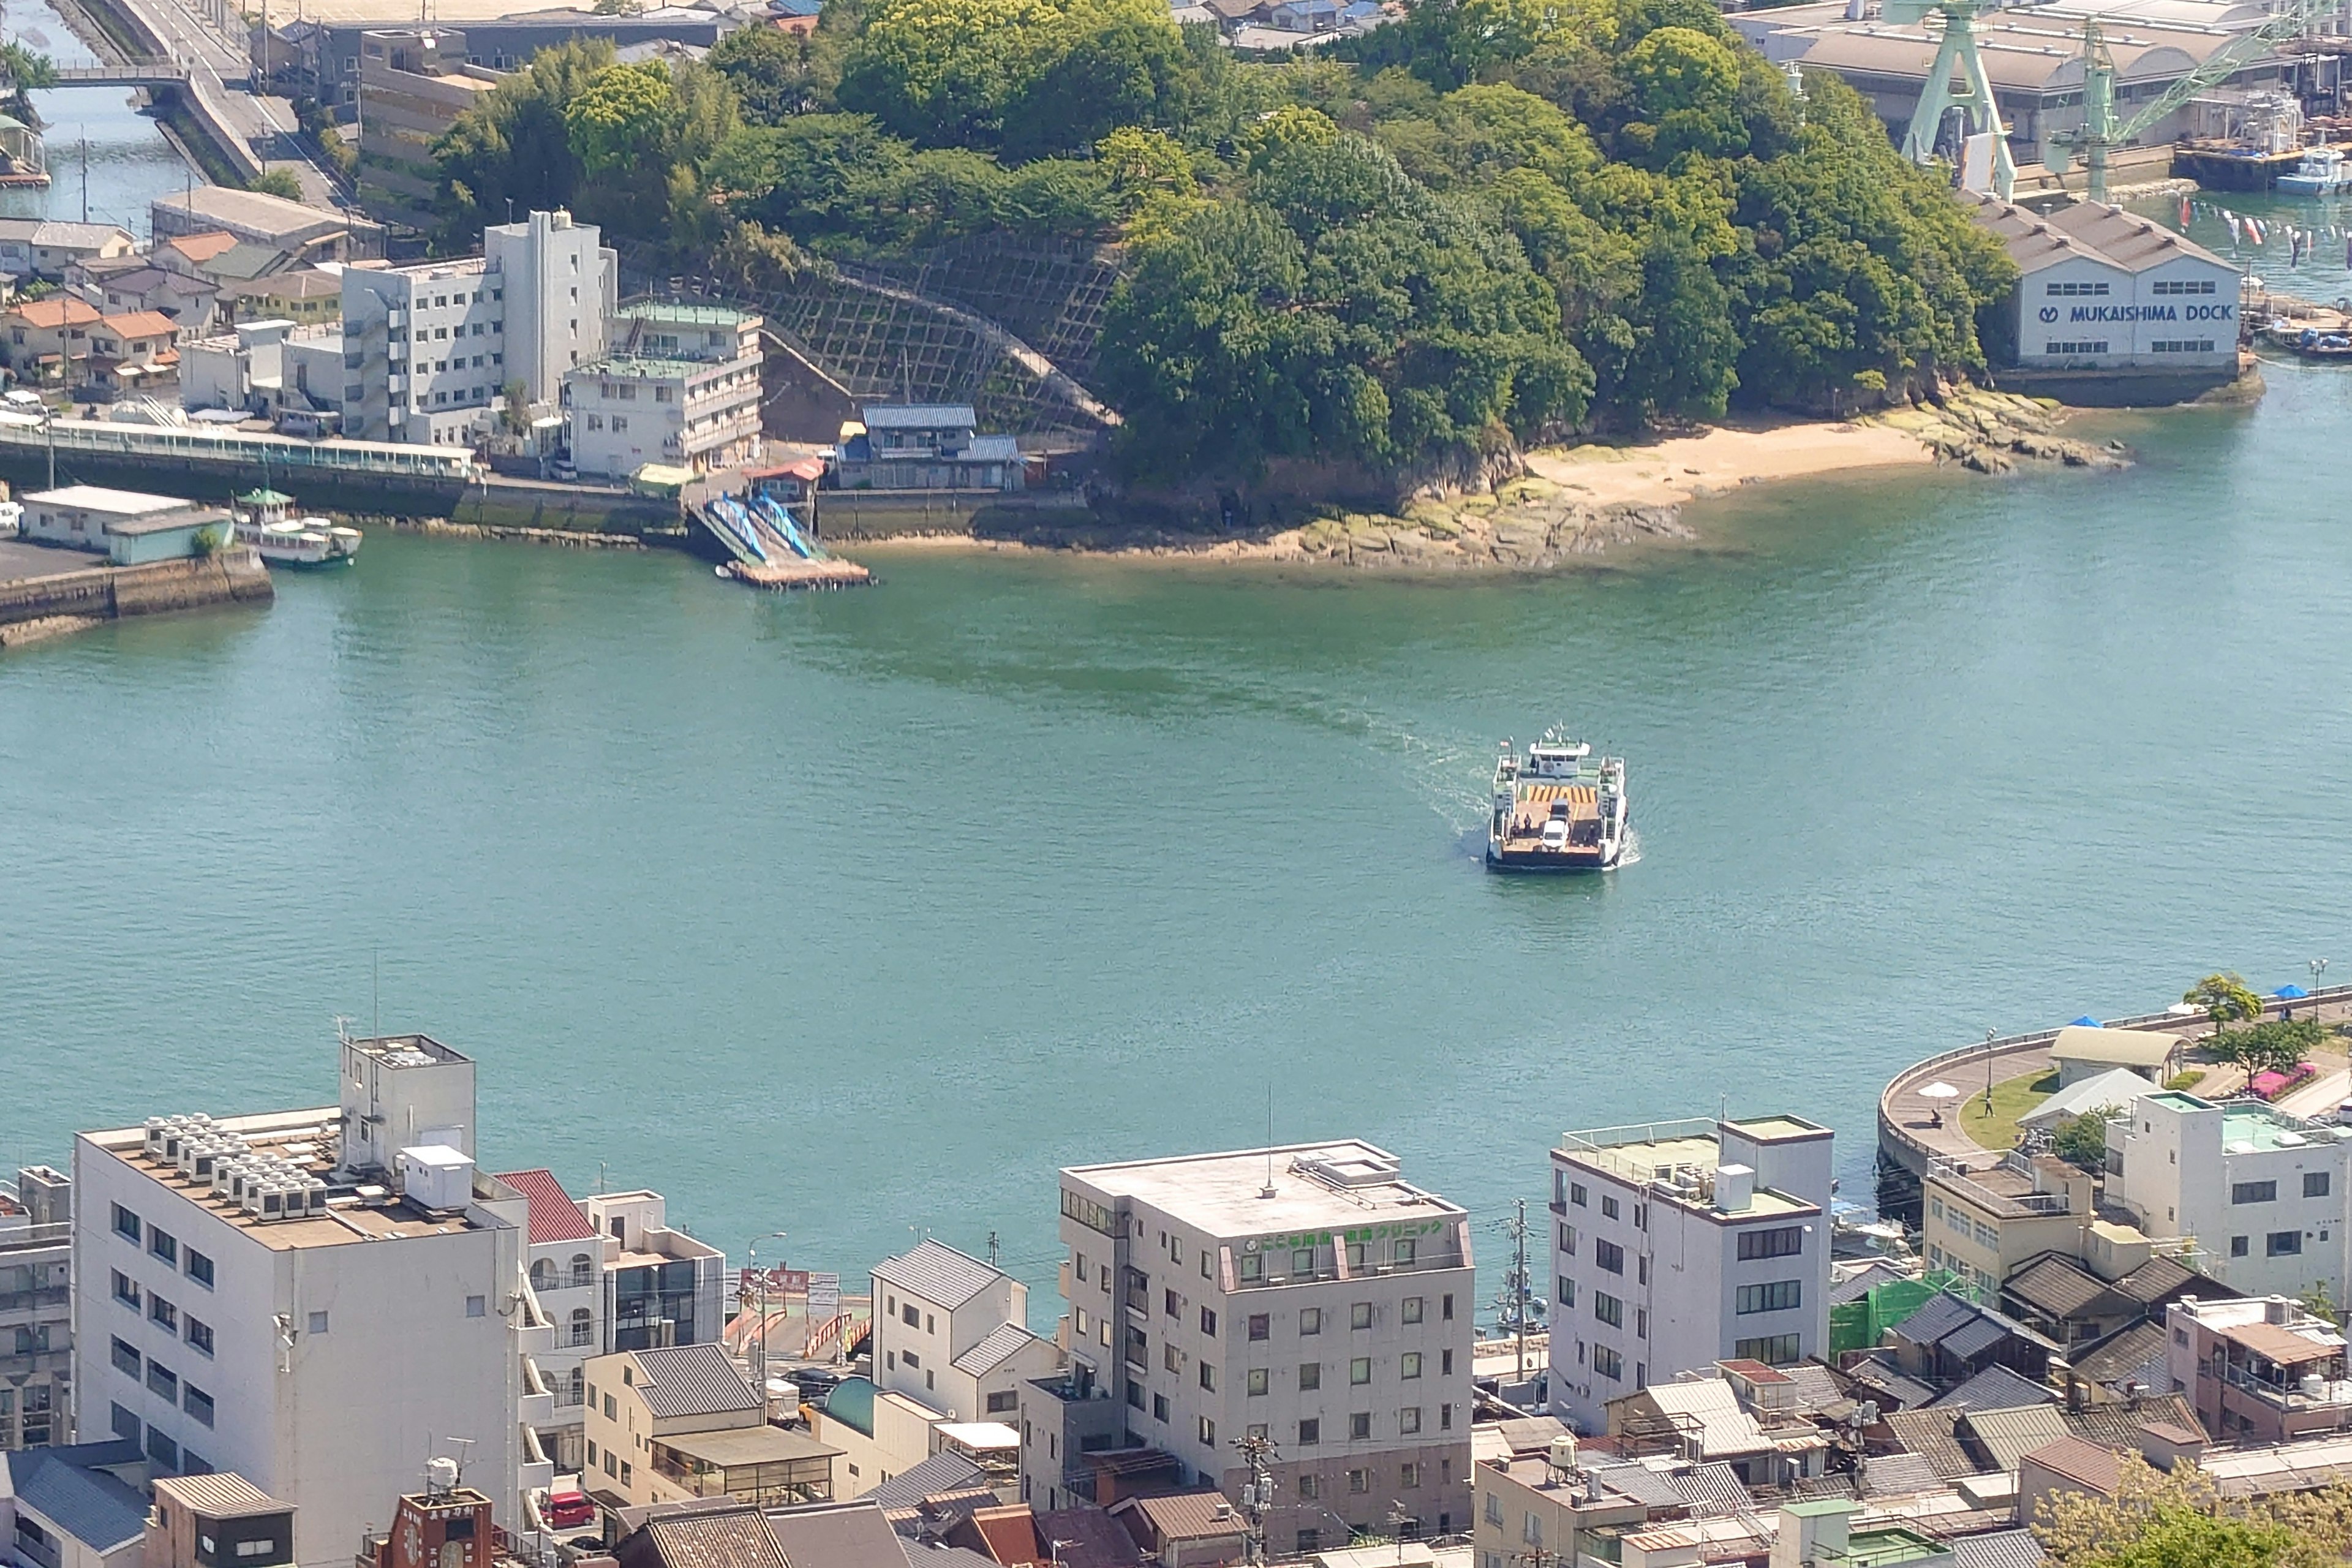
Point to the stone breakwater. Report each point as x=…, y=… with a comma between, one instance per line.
x=34, y=609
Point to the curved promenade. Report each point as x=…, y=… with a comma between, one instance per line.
x=1909, y=1138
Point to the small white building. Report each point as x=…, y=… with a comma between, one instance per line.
x=681, y=388
x=2264, y=1193
x=1679, y=1245
x=951, y=1333
x=128, y=527
x=2103, y=288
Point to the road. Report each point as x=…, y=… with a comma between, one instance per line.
x=221, y=73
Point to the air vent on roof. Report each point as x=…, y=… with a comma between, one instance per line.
x=1350, y=1170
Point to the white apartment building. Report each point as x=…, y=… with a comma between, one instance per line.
x=2262, y=1192
x=425, y=348
x=317, y=1300
x=35, y=1312
x=681, y=388
x=597, y=1272
x=1678, y=1245
x=1306, y=1295
x=952, y=1332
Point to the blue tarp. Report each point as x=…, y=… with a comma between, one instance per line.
x=2087, y=1022
x=2292, y=993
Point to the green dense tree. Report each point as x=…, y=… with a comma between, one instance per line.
x=514, y=146
x=774, y=73
x=2224, y=998
x=279, y=183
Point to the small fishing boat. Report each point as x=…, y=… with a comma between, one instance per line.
x=263, y=519
x=2321, y=171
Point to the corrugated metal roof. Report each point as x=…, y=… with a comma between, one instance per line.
x=1640, y=1483
x=1995, y=1388
x=692, y=1380
x=721, y=1538
x=553, y=1216
x=91, y=1506
x=1712, y=1489
x=1187, y=1516
x=221, y=1495
x=2008, y=1435
x=937, y=1274
x=1997, y=1549
x=939, y=1474
x=1087, y=1538
x=1894, y=1475
x=918, y=416
x=1001, y=1341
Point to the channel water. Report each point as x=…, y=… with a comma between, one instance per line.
x=106, y=160
x=855, y=915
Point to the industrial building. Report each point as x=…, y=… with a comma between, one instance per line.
x=2100, y=289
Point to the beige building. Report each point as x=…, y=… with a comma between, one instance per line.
x=1534, y=1500
x=1308, y=1295
x=950, y=1332
x=414, y=84
x=664, y=1426
x=1984, y=1224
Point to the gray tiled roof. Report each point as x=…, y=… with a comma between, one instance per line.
x=939, y=1473
x=90, y=1505
x=1876, y=1272
x=1997, y=1549
x=1995, y=1388
x=1894, y=1474
x=2129, y=1353
x=692, y=1380
x=1001, y=1342
x=937, y=1274
x=1711, y=1489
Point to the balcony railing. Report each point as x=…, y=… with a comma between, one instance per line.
x=2289, y=1396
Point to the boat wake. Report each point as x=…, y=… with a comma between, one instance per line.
x=1632, y=848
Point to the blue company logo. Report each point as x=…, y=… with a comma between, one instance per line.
x=2152, y=313
x=2049, y=312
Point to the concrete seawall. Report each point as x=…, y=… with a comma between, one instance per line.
x=70, y=600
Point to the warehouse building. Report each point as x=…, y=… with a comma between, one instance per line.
x=2100, y=289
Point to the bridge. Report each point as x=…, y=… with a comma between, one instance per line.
x=133, y=73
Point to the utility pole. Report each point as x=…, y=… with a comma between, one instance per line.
x=1515, y=1301
x=992, y=1249
x=1257, y=1497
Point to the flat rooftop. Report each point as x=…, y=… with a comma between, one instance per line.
x=98, y=498
x=1687, y=1152
x=698, y=315
x=407, y=1050
x=309, y=1140
x=1341, y=1185
x=760, y=1444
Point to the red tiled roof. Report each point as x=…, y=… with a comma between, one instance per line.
x=57, y=310
x=2084, y=1463
x=142, y=324
x=202, y=246
x=553, y=1216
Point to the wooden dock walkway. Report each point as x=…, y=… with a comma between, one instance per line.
x=793, y=572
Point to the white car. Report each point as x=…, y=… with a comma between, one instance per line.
x=1555, y=834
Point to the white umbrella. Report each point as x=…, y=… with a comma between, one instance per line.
x=1940, y=1089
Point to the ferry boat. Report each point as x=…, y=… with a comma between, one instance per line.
x=1557, y=809
x=2319, y=173
x=261, y=518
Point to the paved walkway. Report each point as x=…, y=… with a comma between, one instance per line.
x=221, y=72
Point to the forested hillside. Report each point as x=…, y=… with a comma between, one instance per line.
x=1499, y=220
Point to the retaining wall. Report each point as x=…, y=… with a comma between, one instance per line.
x=106, y=593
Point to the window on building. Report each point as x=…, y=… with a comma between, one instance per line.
x=1410, y=1311
x=126, y=1224
x=1261, y=1325
x=2315, y=1184
x=1408, y=1420
x=1171, y=1357
x=1173, y=1306
x=197, y=1403
x=2282, y=1244
x=1003, y=1401
x=1608, y=1309
x=1608, y=1255
x=1253, y=1267
x=1257, y=1380
x=1609, y=1208
x=163, y=1380
x=127, y=1359
x=1310, y=1376
x=1608, y=1364
x=1360, y=1426
x=1445, y=1308
x=164, y=1245
x=1310, y=1432
x=2238, y=1246
x=1780, y=1296
x=1208, y=1432
x=1208, y=1320
x=1359, y=1315
x=1778, y=1241
x=162, y=1450
x=2253, y=1192
x=1208, y=1377
x=126, y=1290
x=1409, y=1364
x=1772, y=1350
x=1494, y=1509
x=1563, y=1289
x=1310, y=1319
x=162, y=1313
x=477, y=1306
x=1360, y=1371
x=1159, y=1407
x=1576, y=1193
x=1302, y=1260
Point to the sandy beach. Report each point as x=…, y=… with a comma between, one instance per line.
x=1684, y=468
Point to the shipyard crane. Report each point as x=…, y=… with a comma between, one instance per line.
x=2099, y=133
x=1973, y=97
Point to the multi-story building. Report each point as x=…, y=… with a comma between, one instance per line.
x=952, y=1332
x=662, y=1287
x=414, y=84
x=1307, y=1296
x=316, y=1299
x=2260, y=1370
x=429, y=350
x=1983, y=1223
x=677, y=1423
x=564, y=284
x=926, y=446
x=1679, y=1245
x=36, y=1311
x=2264, y=1193
x=681, y=388
x=1535, y=1497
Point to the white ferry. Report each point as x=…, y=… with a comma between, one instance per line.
x=260, y=518
x=1557, y=809
x=2319, y=173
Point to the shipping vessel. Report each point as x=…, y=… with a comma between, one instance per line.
x=1557, y=809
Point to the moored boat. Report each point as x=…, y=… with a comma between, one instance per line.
x=1557, y=809
x=2320, y=172
x=263, y=518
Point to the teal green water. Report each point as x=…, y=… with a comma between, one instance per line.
x=857, y=914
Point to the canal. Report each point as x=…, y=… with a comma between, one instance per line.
x=107, y=158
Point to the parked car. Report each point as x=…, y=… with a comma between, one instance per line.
x=569, y=1510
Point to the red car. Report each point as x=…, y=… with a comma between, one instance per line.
x=570, y=1510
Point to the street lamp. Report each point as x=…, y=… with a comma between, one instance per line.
x=2318, y=968
x=1988, y=1039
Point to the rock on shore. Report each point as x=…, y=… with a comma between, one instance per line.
x=1528, y=524
x=1989, y=431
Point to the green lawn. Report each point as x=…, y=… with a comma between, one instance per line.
x=2011, y=1099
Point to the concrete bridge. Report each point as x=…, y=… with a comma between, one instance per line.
x=133, y=73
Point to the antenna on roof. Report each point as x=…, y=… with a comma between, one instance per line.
x=1268, y=1191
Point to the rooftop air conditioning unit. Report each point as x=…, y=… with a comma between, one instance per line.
x=154, y=1134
